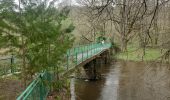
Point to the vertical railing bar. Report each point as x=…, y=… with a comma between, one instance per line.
x=87, y=52
x=91, y=50
x=76, y=59
x=82, y=55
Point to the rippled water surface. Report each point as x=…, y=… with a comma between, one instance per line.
x=123, y=80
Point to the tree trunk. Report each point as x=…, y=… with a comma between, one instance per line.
x=24, y=77
x=123, y=45
x=123, y=27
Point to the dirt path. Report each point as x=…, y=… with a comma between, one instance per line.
x=9, y=89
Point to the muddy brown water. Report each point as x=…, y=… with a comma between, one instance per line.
x=126, y=80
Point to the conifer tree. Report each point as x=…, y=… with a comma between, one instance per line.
x=35, y=32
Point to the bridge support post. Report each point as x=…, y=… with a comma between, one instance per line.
x=106, y=57
x=92, y=69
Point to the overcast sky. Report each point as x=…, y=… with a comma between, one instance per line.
x=72, y=2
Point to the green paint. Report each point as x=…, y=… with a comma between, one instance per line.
x=40, y=87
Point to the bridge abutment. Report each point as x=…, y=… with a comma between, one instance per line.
x=93, y=68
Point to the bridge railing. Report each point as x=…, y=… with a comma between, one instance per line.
x=79, y=54
x=40, y=87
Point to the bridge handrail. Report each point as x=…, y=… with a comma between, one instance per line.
x=93, y=48
x=31, y=87
x=81, y=48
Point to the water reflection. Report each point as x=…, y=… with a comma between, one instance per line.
x=126, y=81
x=110, y=86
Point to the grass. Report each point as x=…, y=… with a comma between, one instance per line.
x=135, y=54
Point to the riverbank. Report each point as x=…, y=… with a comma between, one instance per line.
x=137, y=54
x=10, y=87
x=61, y=90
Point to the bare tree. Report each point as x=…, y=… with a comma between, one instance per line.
x=127, y=15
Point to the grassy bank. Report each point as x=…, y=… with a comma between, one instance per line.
x=136, y=54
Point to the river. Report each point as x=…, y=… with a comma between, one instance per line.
x=125, y=80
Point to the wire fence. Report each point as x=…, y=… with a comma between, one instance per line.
x=9, y=65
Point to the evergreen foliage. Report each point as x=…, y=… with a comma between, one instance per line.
x=33, y=30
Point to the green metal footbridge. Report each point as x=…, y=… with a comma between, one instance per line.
x=38, y=89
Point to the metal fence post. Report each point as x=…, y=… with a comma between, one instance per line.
x=41, y=88
x=78, y=49
x=87, y=51
x=90, y=51
x=73, y=50
x=82, y=57
x=12, y=63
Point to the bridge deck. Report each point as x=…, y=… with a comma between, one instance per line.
x=85, y=57
x=79, y=56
